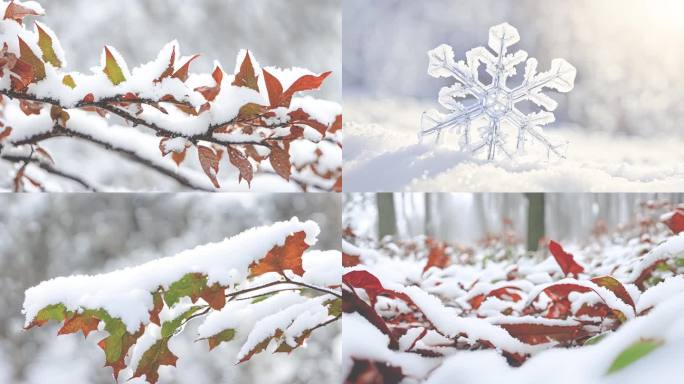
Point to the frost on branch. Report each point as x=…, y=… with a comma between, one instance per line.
x=420, y=311
x=492, y=108
x=253, y=118
x=260, y=288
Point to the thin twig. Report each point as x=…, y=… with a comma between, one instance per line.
x=50, y=169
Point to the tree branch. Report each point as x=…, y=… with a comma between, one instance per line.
x=50, y=169
x=60, y=131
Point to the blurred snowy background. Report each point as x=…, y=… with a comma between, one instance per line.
x=289, y=33
x=623, y=118
x=466, y=218
x=45, y=236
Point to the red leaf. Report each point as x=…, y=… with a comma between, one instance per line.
x=182, y=72
x=243, y=165
x=169, y=69
x=89, y=98
x=616, y=287
x=300, y=117
x=350, y=260
x=274, y=88
x=5, y=133
x=17, y=12
x=531, y=333
x=246, y=76
x=158, y=305
x=362, y=279
x=210, y=164
x=565, y=260
x=30, y=108
x=675, y=221
x=280, y=159
x=210, y=93
x=352, y=303
x=304, y=83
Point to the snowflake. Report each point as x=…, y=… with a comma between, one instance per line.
x=492, y=108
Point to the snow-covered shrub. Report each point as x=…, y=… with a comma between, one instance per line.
x=247, y=117
x=260, y=288
x=422, y=311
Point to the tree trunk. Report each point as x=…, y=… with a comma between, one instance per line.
x=387, y=218
x=535, y=220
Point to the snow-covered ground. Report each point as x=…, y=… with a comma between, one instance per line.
x=382, y=153
x=493, y=311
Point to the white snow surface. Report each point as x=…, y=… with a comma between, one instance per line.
x=382, y=153
x=126, y=293
x=322, y=268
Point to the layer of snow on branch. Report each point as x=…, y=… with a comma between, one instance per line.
x=125, y=293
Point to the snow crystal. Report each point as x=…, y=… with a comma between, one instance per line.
x=494, y=110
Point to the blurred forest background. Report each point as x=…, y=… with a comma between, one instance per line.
x=627, y=53
x=45, y=236
x=289, y=33
x=466, y=218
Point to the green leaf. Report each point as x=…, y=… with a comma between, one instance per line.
x=334, y=307
x=263, y=297
x=69, y=81
x=112, y=68
x=633, y=353
x=679, y=262
x=56, y=312
x=596, y=339
x=170, y=327
x=662, y=266
x=45, y=44
x=223, y=336
x=192, y=285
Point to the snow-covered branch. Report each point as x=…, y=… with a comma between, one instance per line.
x=253, y=115
x=235, y=285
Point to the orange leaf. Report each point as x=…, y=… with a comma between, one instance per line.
x=79, y=322
x=215, y=296
x=281, y=258
x=437, y=256
x=157, y=355
x=337, y=125
x=210, y=164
